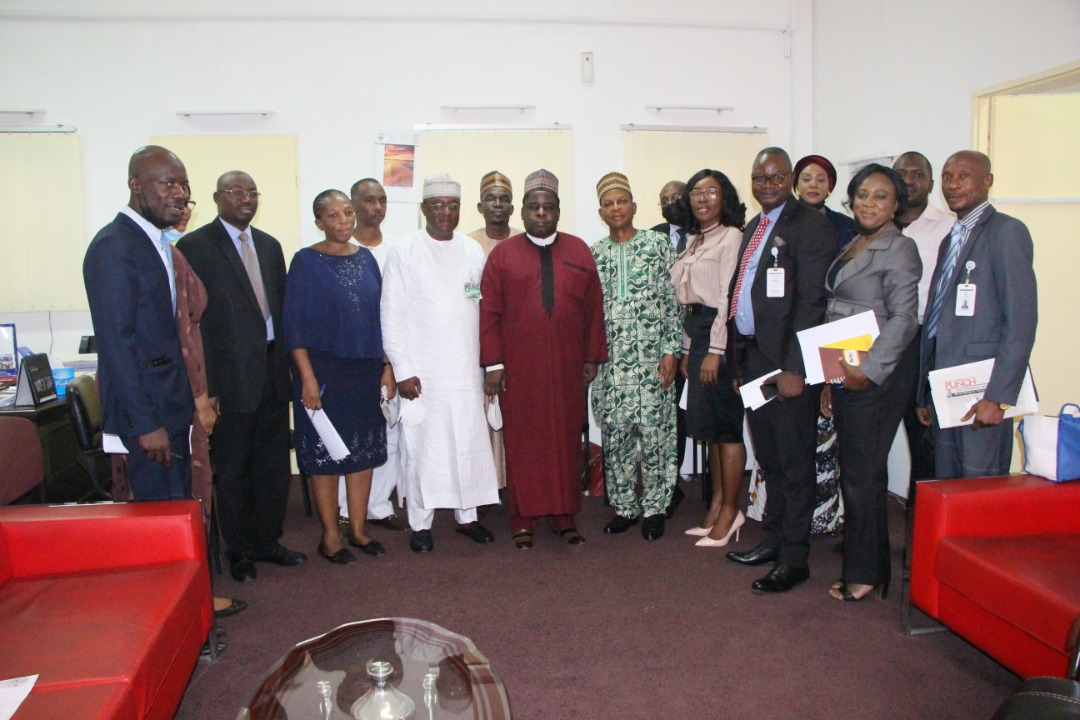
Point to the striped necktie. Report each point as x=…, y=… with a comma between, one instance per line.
x=955, y=243
x=755, y=240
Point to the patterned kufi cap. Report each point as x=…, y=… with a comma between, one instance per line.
x=541, y=180
x=495, y=179
x=441, y=185
x=612, y=181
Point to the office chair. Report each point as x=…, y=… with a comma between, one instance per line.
x=22, y=462
x=84, y=407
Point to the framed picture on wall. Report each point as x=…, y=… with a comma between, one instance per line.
x=9, y=356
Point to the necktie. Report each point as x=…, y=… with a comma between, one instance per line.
x=956, y=240
x=166, y=250
x=755, y=240
x=251, y=265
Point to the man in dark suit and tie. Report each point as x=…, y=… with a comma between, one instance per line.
x=145, y=395
x=669, y=196
x=778, y=290
x=247, y=368
x=983, y=304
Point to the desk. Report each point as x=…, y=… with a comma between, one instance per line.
x=66, y=479
x=465, y=686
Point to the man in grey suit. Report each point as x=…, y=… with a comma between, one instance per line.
x=243, y=270
x=145, y=395
x=983, y=304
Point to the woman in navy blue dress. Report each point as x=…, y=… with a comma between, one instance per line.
x=333, y=332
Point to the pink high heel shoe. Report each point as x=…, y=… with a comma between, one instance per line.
x=699, y=531
x=734, y=530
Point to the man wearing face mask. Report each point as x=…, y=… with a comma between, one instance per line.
x=146, y=398
x=669, y=196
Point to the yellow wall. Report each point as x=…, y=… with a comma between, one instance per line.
x=271, y=160
x=1036, y=157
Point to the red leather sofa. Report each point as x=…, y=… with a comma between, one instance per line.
x=108, y=604
x=997, y=561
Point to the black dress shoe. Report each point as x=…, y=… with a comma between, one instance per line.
x=421, y=541
x=236, y=606
x=373, y=548
x=653, y=527
x=677, y=496
x=758, y=556
x=282, y=556
x=780, y=579
x=476, y=532
x=619, y=524
x=242, y=569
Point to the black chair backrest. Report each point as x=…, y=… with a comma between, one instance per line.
x=85, y=411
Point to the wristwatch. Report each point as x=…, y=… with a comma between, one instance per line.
x=1004, y=406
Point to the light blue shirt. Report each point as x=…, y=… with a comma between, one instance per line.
x=744, y=315
x=234, y=233
x=164, y=251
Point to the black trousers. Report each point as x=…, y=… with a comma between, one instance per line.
x=785, y=439
x=920, y=437
x=250, y=455
x=866, y=424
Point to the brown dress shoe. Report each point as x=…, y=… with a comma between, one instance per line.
x=390, y=522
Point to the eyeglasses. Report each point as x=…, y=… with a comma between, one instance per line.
x=441, y=207
x=238, y=194
x=668, y=201
x=191, y=203
x=777, y=179
x=711, y=193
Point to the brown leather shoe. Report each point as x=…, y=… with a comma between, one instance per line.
x=390, y=522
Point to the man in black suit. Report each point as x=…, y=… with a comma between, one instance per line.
x=778, y=290
x=247, y=368
x=145, y=395
x=669, y=196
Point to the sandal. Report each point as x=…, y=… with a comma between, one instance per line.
x=571, y=536
x=523, y=539
x=880, y=592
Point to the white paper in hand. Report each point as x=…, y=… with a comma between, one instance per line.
x=494, y=413
x=335, y=446
x=412, y=412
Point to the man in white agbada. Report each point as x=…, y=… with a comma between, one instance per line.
x=431, y=334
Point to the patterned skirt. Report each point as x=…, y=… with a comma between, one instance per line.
x=351, y=402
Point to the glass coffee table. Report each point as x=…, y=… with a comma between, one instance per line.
x=342, y=674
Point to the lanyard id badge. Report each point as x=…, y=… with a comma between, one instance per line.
x=774, y=278
x=472, y=289
x=965, y=293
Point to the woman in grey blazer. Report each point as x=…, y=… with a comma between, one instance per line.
x=879, y=271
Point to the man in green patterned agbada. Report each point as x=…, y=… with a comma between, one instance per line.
x=632, y=396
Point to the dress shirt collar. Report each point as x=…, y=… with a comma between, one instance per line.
x=542, y=242
x=973, y=217
x=152, y=232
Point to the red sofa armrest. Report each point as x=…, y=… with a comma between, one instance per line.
x=52, y=539
x=984, y=507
